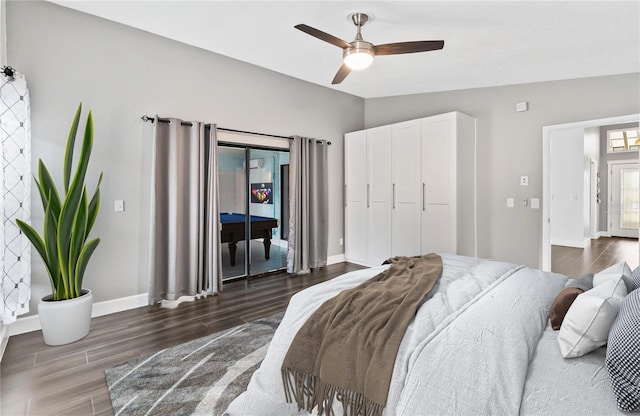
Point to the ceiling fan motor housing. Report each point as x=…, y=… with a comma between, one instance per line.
x=358, y=47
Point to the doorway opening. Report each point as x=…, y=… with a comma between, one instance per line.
x=253, y=209
x=586, y=208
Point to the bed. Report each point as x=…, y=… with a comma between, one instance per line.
x=480, y=344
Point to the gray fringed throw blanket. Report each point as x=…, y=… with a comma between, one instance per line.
x=347, y=348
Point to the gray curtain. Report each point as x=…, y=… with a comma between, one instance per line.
x=308, y=206
x=185, y=242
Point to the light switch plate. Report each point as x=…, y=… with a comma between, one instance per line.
x=535, y=203
x=510, y=203
x=118, y=205
x=524, y=181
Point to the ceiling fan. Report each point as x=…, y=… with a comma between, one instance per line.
x=358, y=54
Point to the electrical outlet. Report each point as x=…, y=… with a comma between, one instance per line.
x=341, y=241
x=524, y=181
x=510, y=203
x=118, y=205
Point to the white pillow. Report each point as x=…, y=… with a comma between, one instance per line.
x=614, y=272
x=587, y=323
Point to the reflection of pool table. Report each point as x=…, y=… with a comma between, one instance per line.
x=233, y=231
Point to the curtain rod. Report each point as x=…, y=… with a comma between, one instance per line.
x=146, y=118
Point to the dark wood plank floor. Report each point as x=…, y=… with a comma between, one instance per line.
x=69, y=380
x=603, y=252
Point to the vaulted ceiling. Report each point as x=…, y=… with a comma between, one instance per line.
x=487, y=43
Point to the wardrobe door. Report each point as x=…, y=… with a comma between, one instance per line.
x=355, y=156
x=406, y=189
x=379, y=195
x=438, y=184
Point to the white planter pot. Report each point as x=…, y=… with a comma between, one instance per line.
x=65, y=321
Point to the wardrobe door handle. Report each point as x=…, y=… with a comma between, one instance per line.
x=423, y=197
x=393, y=196
x=345, y=195
x=368, y=188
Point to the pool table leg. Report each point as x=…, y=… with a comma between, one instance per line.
x=267, y=245
x=232, y=252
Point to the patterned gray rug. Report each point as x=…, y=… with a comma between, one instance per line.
x=200, y=377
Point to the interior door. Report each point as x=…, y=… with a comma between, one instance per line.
x=624, y=196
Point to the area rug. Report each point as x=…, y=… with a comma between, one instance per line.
x=200, y=377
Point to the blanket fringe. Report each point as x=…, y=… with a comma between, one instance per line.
x=309, y=391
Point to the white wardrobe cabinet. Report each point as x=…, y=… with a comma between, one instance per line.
x=410, y=189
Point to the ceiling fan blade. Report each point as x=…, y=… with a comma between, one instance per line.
x=408, y=47
x=323, y=36
x=341, y=75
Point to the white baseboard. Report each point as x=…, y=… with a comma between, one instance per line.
x=339, y=258
x=572, y=243
x=32, y=323
x=361, y=263
x=602, y=234
x=4, y=338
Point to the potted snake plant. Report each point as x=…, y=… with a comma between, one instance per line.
x=65, y=247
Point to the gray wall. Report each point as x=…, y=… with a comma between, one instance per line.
x=604, y=173
x=122, y=73
x=510, y=145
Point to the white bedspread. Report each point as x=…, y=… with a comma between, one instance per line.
x=559, y=387
x=466, y=352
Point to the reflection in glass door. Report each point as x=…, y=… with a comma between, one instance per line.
x=624, y=209
x=253, y=181
x=266, y=193
x=233, y=209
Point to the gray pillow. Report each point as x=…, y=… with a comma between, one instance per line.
x=635, y=276
x=583, y=282
x=623, y=354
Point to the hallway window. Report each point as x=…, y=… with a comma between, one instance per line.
x=625, y=140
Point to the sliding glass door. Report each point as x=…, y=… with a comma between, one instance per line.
x=252, y=181
x=268, y=245
x=233, y=210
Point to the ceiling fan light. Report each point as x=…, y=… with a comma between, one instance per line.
x=359, y=59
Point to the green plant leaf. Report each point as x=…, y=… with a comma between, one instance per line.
x=50, y=229
x=83, y=260
x=71, y=141
x=39, y=245
x=78, y=235
x=41, y=191
x=48, y=188
x=94, y=206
